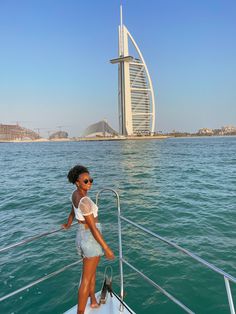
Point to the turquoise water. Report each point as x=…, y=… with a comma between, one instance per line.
x=183, y=189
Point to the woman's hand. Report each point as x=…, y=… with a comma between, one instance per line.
x=69, y=220
x=65, y=226
x=109, y=254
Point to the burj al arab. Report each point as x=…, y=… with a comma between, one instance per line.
x=135, y=91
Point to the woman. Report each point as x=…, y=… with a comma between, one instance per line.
x=89, y=240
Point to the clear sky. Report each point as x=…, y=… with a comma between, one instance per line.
x=55, y=71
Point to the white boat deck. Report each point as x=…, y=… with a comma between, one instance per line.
x=112, y=306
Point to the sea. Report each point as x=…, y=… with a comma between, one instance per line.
x=183, y=189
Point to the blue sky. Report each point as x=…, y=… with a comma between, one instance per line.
x=55, y=71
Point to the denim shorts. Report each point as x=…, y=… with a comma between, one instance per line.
x=85, y=242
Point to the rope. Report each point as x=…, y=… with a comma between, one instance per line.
x=107, y=287
x=122, y=302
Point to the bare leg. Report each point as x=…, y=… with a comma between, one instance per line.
x=89, y=269
x=92, y=285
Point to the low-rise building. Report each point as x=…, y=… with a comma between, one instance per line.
x=13, y=132
x=99, y=129
x=228, y=129
x=58, y=135
x=205, y=131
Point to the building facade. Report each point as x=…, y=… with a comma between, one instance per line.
x=11, y=132
x=135, y=90
x=99, y=129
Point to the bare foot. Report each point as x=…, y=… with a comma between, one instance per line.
x=94, y=305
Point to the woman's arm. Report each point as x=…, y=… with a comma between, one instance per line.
x=70, y=219
x=90, y=221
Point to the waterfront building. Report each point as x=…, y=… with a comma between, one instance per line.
x=228, y=129
x=205, y=131
x=12, y=132
x=58, y=135
x=225, y=130
x=135, y=90
x=99, y=129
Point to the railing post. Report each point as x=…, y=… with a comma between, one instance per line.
x=229, y=294
x=120, y=256
x=120, y=243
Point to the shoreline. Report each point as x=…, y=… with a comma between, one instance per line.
x=89, y=139
x=92, y=139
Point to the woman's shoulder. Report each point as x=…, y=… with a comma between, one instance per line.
x=85, y=199
x=75, y=199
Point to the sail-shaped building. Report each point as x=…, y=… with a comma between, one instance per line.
x=135, y=90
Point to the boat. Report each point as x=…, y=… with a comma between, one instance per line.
x=112, y=306
x=113, y=302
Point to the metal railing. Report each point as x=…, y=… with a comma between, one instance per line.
x=36, y=237
x=227, y=277
x=25, y=241
x=39, y=280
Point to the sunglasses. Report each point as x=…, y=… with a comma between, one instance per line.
x=86, y=181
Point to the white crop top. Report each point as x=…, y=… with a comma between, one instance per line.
x=86, y=207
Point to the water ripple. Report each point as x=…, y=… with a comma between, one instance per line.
x=183, y=189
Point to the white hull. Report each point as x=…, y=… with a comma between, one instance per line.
x=112, y=306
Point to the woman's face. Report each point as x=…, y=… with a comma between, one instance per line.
x=84, y=181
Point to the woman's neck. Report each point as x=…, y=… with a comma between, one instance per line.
x=82, y=193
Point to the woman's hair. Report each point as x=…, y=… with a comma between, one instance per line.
x=74, y=173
